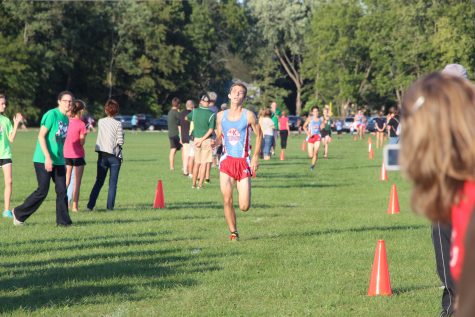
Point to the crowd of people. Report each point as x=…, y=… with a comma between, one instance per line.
x=436, y=132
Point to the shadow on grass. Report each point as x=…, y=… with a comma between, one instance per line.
x=298, y=185
x=408, y=289
x=119, y=275
x=205, y=205
x=337, y=231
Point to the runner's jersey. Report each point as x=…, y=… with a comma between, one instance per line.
x=235, y=135
x=315, y=126
x=359, y=118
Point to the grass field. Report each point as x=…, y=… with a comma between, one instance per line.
x=306, y=249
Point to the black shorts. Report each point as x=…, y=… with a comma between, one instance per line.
x=75, y=161
x=175, y=142
x=325, y=133
x=5, y=162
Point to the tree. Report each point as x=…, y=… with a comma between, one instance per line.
x=282, y=25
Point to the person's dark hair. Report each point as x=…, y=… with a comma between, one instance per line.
x=111, y=107
x=239, y=85
x=175, y=102
x=78, y=106
x=315, y=107
x=2, y=96
x=65, y=92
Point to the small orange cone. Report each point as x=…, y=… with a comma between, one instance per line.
x=159, y=201
x=304, y=145
x=384, y=174
x=282, y=155
x=371, y=154
x=380, y=283
x=370, y=147
x=393, y=207
x=369, y=140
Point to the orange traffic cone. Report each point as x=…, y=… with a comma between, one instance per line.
x=159, y=201
x=384, y=174
x=370, y=146
x=371, y=154
x=393, y=207
x=380, y=283
x=304, y=145
x=282, y=155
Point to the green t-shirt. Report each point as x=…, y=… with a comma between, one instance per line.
x=5, y=130
x=173, y=117
x=203, y=120
x=275, y=118
x=57, y=125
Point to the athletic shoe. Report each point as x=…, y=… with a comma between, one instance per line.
x=190, y=175
x=193, y=187
x=7, y=214
x=234, y=236
x=15, y=221
x=312, y=167
x=207, y=181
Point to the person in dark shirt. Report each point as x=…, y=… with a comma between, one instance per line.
x=380, y=125
x=184, y=127
x=173, y=133
x=393, y=125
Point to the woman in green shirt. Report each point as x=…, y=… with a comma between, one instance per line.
x=48, y=161
x=7, y=135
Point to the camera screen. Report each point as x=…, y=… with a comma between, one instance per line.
x=393, y=157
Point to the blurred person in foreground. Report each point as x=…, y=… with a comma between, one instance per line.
x=438, y=156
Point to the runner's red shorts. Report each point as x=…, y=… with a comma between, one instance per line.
x=314, y=138
x=237, y=168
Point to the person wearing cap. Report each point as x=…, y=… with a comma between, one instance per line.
x=212, y=106
x=204, y=121
x=173, y=119
x=184, y=127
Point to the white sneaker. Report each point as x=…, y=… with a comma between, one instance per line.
x=15, y=221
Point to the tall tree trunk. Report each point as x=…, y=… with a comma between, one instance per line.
x=298, y=100
x=293, y=74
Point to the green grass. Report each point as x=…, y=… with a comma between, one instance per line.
x=306, y=249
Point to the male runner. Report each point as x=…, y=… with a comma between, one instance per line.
x=233, y=128
x=312, y=127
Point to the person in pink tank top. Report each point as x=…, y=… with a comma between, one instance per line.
x=438, y=156
x=74, y=149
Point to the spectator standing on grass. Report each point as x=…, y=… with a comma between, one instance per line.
x=173, y=133
x=275, y=118
x=7, y=136
x=339, y=128
x=284, y=131
x=184, y=127
x=110, y=138
x=438, y=156
x=380, y=125
x=236, y=167
x=48, y=160
x=204, y=123
x=74, y=153
x=134, y=121
x=212, y=106
x=393, y=125
x=267, y=128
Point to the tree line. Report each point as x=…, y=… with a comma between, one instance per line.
x=144, y=53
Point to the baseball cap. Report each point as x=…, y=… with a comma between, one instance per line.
x=205, y=98
x=456, y=70
x=212, y=95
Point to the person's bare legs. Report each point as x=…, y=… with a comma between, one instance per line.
x=208, y=170
x=316, y=147
x=227, y=184
x=310, y=147
x=78, y=172
x=7, y=194
x=202, y=172
x=191, y=161
x=184, y=158
x=171, y=158
x=69, y=170
x=244, y=193
x=325, y=148
x=196, y=169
